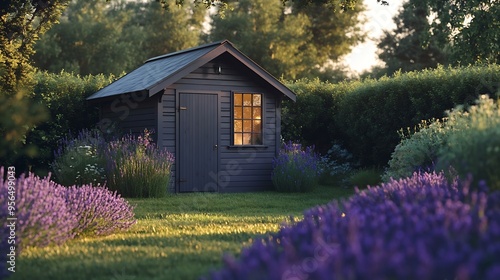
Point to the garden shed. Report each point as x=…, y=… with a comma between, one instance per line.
x=212, y=107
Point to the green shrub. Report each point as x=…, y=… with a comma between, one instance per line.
x=80, y=160
x=295, y=170
x=310, y=119
x=417, y=150
x=467, y=142
x=64, y=95
x=472, y=144
x=365, y=177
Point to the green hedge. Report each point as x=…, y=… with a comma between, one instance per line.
x=310, y=119
x=64, y=95
x=371, y=115
x=365, y=116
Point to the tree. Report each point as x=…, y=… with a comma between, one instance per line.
x=21, y=22
x=435, y=31
x=410, y=46
x=112, y=37
x=289, y=41
x=471, y=27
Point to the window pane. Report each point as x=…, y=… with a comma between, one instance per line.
x=257, y=113
x=257, y=99
x=247, y=126
x=238, y=126
x=247, y=138
x=256, y=139
x=247, y=99
x=238, y=139
x=238, y=97
x=257, y=128
x=238, y=112
x=247, y=113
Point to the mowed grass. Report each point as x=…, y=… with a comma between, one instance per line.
x=181, y=236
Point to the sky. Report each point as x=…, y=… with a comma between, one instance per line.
x=379, y=18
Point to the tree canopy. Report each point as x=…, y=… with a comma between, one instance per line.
x=431, y=32
x=409, y=46
x=290, y=41
x=114, y=37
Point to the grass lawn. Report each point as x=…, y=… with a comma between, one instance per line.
x=178, y=237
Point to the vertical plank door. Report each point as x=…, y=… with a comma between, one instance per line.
x=198, y=140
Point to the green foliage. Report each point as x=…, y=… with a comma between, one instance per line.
x=17, y=116
x=365, y=177
x=290, y=41
x=417, y=150
x=79, y=161
x=96, y=37
x=466, y=142
x=470, y=27
x=472, y=144
x=63, y=95
x=310, y=119
x=370, y=115
x=409, y=46
x=20, y=24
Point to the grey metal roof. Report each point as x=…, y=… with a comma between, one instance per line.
x=161, y=71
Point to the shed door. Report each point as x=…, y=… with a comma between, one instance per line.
x=198, y=115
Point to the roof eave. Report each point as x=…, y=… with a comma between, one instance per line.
x=270, y=79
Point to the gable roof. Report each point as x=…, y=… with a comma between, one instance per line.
x=159, y=72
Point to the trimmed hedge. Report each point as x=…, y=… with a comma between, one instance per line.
x=365, y=116
x=371, y=115
x=310, y=119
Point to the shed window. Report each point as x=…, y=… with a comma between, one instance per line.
x=247, y=119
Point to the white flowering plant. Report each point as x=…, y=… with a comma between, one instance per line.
x=78, y=160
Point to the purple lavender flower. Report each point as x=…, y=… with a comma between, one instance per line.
x=422, y=227
x=48, y=213
x=136, y=167
x=41, y=211
x=295, y=170
x=98, y=210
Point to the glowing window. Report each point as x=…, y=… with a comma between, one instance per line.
x=247, y=119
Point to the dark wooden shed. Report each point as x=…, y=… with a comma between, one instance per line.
x=215, y=109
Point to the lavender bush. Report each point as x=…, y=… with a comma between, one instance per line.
x=136, y=167
x=98, y=210
x=295, y=170
x=48, y=213
x=422, y=227
x=41, y=210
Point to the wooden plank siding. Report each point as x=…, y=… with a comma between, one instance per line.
x=132, y=116
x=239, y=168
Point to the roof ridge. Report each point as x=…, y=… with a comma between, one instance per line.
x=221, y=42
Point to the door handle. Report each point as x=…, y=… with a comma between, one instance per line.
x=216, y=147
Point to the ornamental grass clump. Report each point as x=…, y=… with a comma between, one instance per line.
x=43, y=217
x=295, y=170
x=422, y=227
x=136, y=167
x=98, y=210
